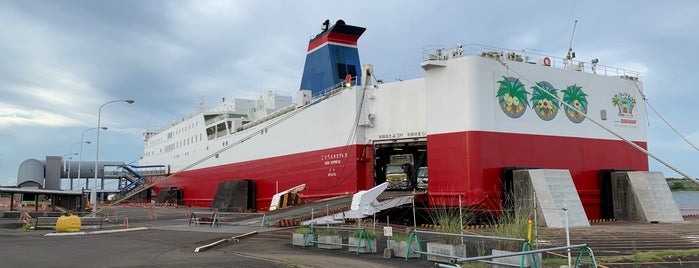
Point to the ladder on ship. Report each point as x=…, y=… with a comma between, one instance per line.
x=136, y=175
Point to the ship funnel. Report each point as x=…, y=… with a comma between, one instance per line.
x=331, y=56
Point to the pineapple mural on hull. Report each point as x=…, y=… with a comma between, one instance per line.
x=512, y=97
x=543, y=101
x=575, y=97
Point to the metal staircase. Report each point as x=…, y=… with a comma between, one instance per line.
x=136, y=176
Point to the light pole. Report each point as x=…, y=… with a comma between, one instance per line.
x=80, y=160
x=71, y=151
x=93, y=195
x=65, y=163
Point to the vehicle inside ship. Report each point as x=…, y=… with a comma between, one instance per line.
x=384, y=151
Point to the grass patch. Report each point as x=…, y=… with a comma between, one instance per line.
x=368, y=233
x=401, y=238
x=681, y=185
x=513, y=225
x=327, y=231
x=637, y=258
x=450, y=220
x=650, y=256
x=301, y=230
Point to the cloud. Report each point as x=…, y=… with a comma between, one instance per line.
x=11, y=115
x=61, y=60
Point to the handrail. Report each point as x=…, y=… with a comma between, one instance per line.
x=473, y=236
x=477, y=258
x=589, y=252
x=419, y=245
x=363, y=236
x=333, y=89
x=528, y=246
x=526, y=56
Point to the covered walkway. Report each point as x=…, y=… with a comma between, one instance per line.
x=69, y=200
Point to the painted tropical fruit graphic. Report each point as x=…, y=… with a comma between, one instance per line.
x=512, y=97
x=625, y=103
x=543, y=102
x=574, y=96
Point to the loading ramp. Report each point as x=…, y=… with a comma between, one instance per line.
x=335, y=210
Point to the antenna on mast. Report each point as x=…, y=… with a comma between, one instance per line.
x=201, y=105
x=571, y=54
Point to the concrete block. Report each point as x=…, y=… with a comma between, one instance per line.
x=445, y=249
x=551, y=190
x=643, y=196
x=400, y=249
x=514, y=261
x=298, y=240
x=333, y=242
x=366, y=246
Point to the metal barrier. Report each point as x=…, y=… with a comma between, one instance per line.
x=527, y=249
x=415, y=234
x=363, y=236
x=215, y=220
x=583, y=248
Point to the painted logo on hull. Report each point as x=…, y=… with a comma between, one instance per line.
x=512, y=97
x=545, y=100
x=575, y=97
x=624, y=103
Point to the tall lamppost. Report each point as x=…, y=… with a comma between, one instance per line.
x=80, y=160
x=71, y=151
x=65, y=163
x=93, y=195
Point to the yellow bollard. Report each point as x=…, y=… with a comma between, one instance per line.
x=530, y=224
x=70, y=223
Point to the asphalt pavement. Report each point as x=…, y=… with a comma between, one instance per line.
x=169, y=240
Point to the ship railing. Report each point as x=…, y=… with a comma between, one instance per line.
x=437, y=53
x=269, y=116
x=138, y=184
x=333, y=89
x=217, y=118
x=145, y=171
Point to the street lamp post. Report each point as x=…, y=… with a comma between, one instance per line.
x=71, y=151
x=65, y=163
x=80, y=160
x=93, y=195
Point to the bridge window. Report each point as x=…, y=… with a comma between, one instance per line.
x=345, y=69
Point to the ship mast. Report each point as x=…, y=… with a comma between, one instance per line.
x=571, y=54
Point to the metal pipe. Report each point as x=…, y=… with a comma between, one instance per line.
x=235, y=238
x=459, y=260
x=474, y=236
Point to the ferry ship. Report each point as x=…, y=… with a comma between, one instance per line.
x=478, y=113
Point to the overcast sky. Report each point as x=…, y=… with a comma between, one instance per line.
x=61, y=60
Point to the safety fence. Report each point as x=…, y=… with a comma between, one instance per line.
x=362, y=240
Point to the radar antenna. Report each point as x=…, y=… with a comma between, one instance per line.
x=571, y=55
x=201, y=105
